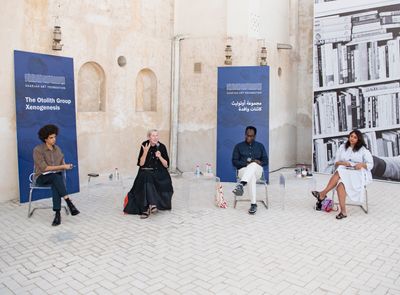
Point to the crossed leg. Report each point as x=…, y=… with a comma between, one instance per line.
x=332, y=183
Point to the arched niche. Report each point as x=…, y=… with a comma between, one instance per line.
x=146, y=91
x=91, y=88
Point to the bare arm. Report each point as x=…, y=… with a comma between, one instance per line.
x=342, y=163
x=359, y=166
x=145, y=148
x=162, y=160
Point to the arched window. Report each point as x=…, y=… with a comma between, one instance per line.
x=91, y=88
x=146, y=91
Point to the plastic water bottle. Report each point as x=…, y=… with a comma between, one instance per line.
x=116, y=174
x=197, y=171
x=208, y=169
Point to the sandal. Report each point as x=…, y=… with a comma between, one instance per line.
x=341, y=216
x=145, y=214
x=153, y=209
x=317, y=196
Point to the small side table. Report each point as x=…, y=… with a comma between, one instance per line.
x=90, y=176
x=200, y=189
x=287, y=178
x=106, y=182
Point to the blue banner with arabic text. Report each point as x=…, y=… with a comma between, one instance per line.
x=243, y=100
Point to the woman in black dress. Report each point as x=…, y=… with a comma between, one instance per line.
x=152, y=189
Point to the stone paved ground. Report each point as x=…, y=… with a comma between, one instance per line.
x=200, y=249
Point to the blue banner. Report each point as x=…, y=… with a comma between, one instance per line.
x=44, y=93
x=243, y=100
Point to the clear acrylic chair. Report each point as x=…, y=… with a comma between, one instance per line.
x=34, y=186
x=363, y=205
x=264, y=200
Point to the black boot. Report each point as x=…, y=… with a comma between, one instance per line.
x=318, y=206
x=57, y=218
x=72, y=208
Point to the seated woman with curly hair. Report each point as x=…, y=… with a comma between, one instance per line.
x=49, y=164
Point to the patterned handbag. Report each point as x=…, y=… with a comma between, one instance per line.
x=219, y=197
x=327, y=205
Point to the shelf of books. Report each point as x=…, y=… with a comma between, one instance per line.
x=330, y=7
x=356, y=79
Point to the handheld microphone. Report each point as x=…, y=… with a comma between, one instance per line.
x=158, y=148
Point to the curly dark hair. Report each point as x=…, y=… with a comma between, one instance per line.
x=251, y=128
x=46, y=131
x=360, y=142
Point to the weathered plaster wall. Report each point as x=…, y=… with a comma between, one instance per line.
x=11, y=24
x=99, y=32
x=304, y=76
x=198, y=92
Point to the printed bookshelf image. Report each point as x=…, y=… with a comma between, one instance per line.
x=373, y=106
x=357, y=84
x=359, y=47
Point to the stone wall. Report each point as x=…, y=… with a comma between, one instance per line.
x=287, y=22
x=95, y=32
x=304, y=80
x=112, y=122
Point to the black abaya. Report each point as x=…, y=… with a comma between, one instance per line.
x=152, y=185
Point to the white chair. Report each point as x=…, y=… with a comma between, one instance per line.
x=264, y=201
x=363, y=206
x=33, y=186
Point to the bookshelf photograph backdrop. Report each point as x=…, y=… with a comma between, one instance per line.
x=356, y=76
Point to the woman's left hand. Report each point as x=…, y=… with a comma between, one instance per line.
x=158, y=154
x=359, y=166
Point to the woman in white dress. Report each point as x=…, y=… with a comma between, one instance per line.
x=353, y=164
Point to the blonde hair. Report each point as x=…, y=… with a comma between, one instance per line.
x=151, y=131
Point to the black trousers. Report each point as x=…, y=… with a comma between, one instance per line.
x=56, y=180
